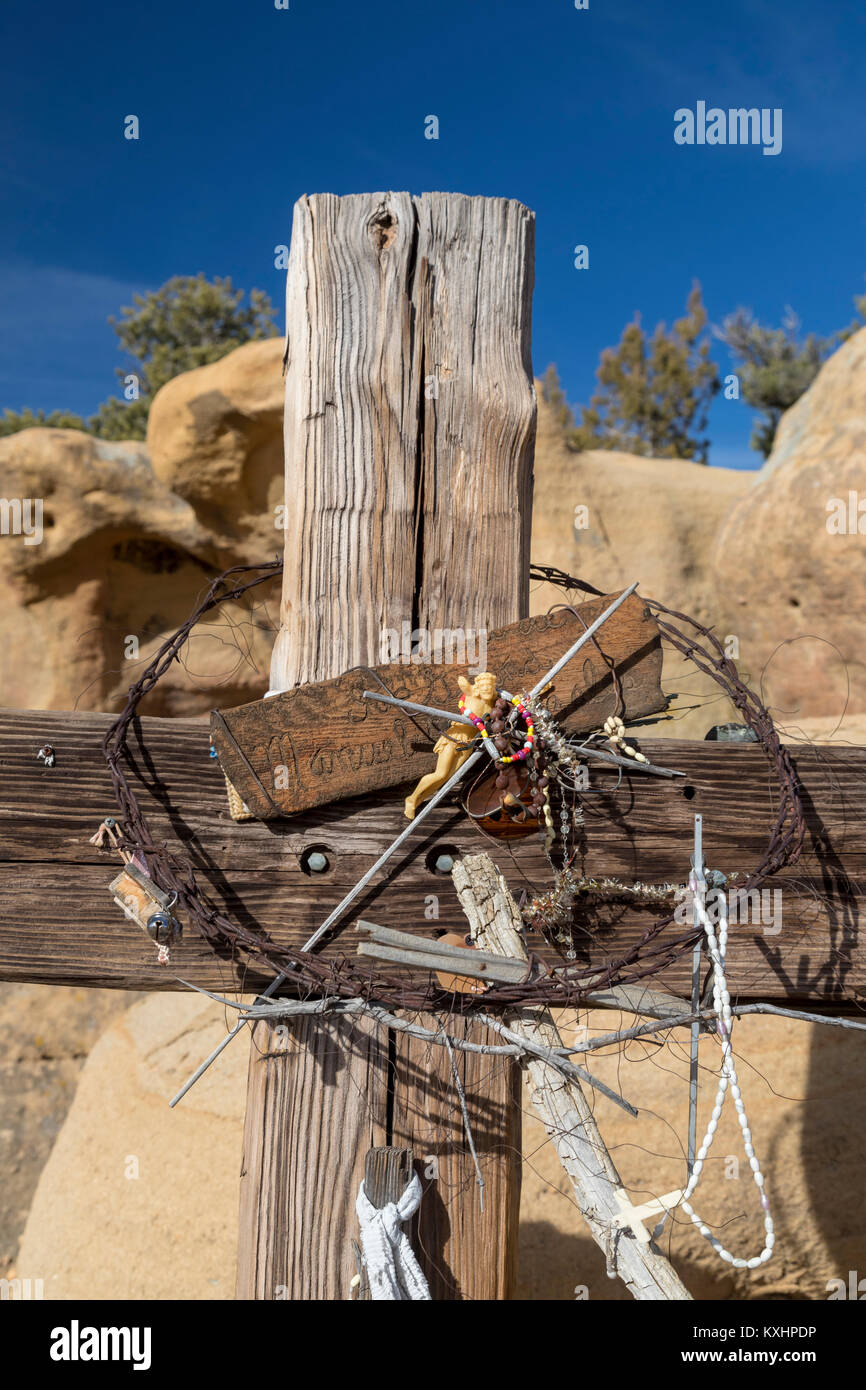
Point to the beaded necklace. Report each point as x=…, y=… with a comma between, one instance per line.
x=522, y=710
x=727, y=1081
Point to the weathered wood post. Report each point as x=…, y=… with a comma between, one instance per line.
x=410, y=422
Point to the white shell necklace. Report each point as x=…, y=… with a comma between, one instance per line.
x=727, y=1081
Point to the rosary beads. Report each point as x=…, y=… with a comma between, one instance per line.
x=727, y=1081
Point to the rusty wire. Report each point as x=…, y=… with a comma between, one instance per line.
x=345, y=976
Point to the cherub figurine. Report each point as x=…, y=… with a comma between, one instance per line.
x=454, y=746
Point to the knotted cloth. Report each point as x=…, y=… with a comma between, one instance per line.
x=393, y=1272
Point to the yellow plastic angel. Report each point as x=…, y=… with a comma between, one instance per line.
x=454, y=746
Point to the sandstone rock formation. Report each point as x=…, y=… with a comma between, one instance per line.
x=611, y=518
x=47, y=1034
x=136, y=1196
x=134, y=532
x=129, y=548
x=793, y=581
x=215, y=438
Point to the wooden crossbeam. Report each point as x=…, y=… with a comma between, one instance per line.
x=58, y=923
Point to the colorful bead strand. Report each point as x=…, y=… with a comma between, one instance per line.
x=522, y=710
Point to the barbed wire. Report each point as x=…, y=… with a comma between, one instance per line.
x=339, y=976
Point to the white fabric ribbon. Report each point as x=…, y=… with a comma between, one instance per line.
x=393, y=1272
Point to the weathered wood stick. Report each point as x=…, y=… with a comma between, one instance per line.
x=571, y=1070
x=426, y=960
x=448, y=955
x=495, y=923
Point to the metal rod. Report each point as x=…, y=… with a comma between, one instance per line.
x=603, y=756
x=455, y=964
x=410, y=941
x=337, y=912
x=392, y=849
x=583, y=638
x=419, y=709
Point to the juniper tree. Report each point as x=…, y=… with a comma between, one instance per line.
x=14, y=420
x=187, y=323
x=775, y=365
x=554, y=396
x=654, y=394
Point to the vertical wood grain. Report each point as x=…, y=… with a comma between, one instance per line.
x=316, y=1102
x=410, y=421
x=466, y=1252
x=350, y=433
x=476, y=260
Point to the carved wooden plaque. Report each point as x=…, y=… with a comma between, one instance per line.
x=324, y=742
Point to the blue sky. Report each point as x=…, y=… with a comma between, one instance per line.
x=244, y=107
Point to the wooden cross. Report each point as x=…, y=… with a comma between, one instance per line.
x=631, y=1217
x=410, y=418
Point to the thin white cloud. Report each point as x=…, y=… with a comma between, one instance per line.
x=39, y=300
x=57, y=349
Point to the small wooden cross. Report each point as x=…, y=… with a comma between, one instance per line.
x=632, y=1217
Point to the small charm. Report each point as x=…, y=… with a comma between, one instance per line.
x=46, y=755
x=164, y=930
x=148, y=906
